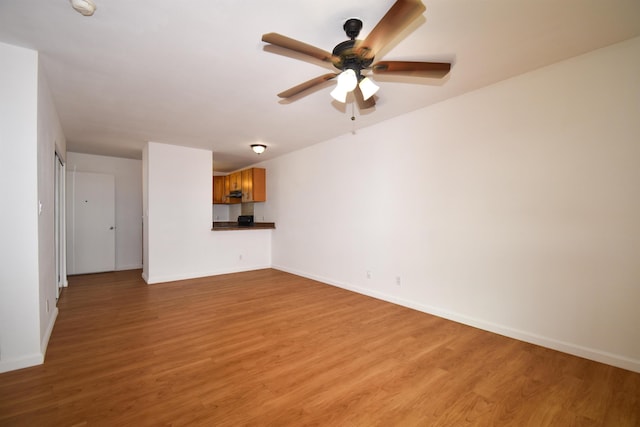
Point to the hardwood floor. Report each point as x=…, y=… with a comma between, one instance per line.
x=270, y=348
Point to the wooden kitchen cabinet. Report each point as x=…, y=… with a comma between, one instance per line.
x=235, y=181
x=254, y=188
x=250, y=182
x=227, y=186
x=219, y=193
x=227, y=190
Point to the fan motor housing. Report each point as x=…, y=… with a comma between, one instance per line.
x=349, y=58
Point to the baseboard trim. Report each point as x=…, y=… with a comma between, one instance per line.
x=21, y=363
x=551, y=343
x=128, y=267
x=35, y=358
x=47, y=334
x=151, y=280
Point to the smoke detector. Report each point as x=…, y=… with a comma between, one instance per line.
x=85, y=7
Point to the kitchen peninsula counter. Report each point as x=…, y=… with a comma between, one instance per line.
x=233, y=225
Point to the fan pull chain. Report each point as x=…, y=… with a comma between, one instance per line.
x=353, y=119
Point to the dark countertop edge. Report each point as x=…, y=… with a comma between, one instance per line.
x=232, y=225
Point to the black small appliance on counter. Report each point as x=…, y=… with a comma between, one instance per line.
x=245, y=220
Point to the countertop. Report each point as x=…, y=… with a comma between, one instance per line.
x=233, y=225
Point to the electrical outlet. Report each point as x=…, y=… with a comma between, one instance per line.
x=398, y=280
x=240, y=257
x=47, y=306
x=368, y=274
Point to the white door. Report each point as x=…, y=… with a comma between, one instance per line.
x=90, y=222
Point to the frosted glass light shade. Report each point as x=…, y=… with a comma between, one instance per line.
x=339, y=95
x=347, y=80
x=368, y=88
x=258, y=148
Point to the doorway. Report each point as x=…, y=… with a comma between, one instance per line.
x=59, y=225
x=90, y=222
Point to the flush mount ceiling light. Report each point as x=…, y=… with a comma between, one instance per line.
x=85, y=7
x=258, y=148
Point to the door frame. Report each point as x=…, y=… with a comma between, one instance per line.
x=60, y=230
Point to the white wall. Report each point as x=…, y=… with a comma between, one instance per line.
x=128, y=179
x=178, y=237
x=29, y=131
x=514, y=208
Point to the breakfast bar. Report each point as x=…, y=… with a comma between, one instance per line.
x=233, y=225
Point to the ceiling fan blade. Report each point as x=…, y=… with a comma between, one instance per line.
x=401, y=14
x=410, y=68
x=362, y=103
x=298, y=46
x=306, y=85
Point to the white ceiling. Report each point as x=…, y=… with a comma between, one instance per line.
x=197, y=74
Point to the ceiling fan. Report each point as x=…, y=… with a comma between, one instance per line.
x=353, y=56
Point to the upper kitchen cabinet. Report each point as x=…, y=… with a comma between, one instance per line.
x=222, y=191
x=235, y=181
x=254, y=188
x=219, y=192
x=250, y=183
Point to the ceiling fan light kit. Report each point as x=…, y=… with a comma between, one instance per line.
x=353, y=57
x=85, y=7
x=258, y=148
x=347, y=81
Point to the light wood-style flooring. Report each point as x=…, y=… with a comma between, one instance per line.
x=267, y=348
